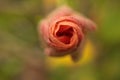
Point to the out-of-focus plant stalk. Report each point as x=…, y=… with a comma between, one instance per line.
x=62, y=2
x=71, y=3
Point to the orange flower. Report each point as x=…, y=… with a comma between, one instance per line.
x=64, y=31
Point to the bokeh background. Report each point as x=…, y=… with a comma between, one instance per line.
x=21, y=52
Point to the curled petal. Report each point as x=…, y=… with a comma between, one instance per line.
x=87, y=24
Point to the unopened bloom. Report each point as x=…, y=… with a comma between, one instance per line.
x=63, y=32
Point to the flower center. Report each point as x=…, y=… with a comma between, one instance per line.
x=65, y=33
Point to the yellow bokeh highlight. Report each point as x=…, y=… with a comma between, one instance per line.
x=88, y=55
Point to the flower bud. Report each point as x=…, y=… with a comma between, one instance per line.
x=63, y=32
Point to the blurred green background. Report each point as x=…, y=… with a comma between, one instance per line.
x=21, y=54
